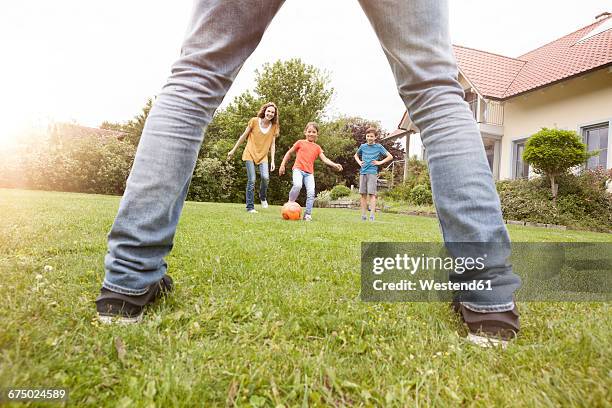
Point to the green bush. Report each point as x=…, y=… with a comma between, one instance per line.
x=86, y=165
x=340, y=191
x=386, y=175
x=527, y=200
x=400, y=192
x=323, y=199
x=212, y=180
x=418, y=175
x=420, y=195
x=582, y=201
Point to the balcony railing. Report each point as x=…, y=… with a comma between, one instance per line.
x=490, y=112
x=494, y=113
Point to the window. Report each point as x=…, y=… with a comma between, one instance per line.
x=489, y=145
x=521, y=169
x=596, y=138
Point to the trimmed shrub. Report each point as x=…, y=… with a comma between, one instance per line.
x=340, y=191
x=420, y=195
x=582, y=201
x=418, y=175
x=527, y=200
x=212, y=180
x=323, y=199
x=552, y=152
x=400, y=192
x=86, y=165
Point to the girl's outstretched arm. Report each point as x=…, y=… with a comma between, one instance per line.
x=330, y=163
x=239, y=142
x=281, y=168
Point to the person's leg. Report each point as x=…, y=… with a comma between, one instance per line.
x=364, y=206
x=250, y=186
x=297, y=185
x=220, y=37
x=372, y=185
x=363, y=190
x=309, y=182
x=414, y=36
x=372, y=206
x=264, y=180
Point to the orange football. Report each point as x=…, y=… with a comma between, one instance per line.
x=291, y=211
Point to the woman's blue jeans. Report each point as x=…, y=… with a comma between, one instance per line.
x=264, y=176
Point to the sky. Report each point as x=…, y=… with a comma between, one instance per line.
x=94, y=61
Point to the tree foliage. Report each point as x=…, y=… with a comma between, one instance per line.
x=583, y=200
x=132, y=128
x=301, y=92
x=87, y=165
x=552, y=152
x=213, y=180
x=418, y=176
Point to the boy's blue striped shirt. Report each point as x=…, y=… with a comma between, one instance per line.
x=369, y=153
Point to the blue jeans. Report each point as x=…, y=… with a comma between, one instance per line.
x=221, y=36
x=302, y=178
x=263, y=183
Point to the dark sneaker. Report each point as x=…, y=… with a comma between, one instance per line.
x=115, y=307
x=489, y=329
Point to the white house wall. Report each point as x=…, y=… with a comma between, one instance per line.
x=569, y=105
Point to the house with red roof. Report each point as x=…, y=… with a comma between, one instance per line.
x=566, y=84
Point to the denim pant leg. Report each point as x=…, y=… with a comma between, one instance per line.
x=414, y=36
x=264, y=180
x=294, y=193
x=250, y=186
x=309, y=182
x=220, y=37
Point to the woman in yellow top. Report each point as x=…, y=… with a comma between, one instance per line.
x=261, y=133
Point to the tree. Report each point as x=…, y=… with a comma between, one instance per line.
x=134, y=127
x=302, y=93
x=552, y=152
x=212, y=180
x=301, y=90
x=85, y=164
x=354, y=130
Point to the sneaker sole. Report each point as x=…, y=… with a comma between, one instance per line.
x=486, y=342
x=119, y=319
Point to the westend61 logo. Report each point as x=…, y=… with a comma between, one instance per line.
x=413, y=264
x=473, y=271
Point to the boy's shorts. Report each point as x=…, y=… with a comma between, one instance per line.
x=367, y=183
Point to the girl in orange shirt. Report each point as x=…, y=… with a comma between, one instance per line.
x=261, y=133
x=303, y=170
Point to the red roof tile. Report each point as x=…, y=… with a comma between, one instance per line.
x=500, y=77
x=491, y=74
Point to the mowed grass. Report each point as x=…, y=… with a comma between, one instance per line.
x=267, y=312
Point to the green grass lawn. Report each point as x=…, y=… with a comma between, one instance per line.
x=267, y=312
